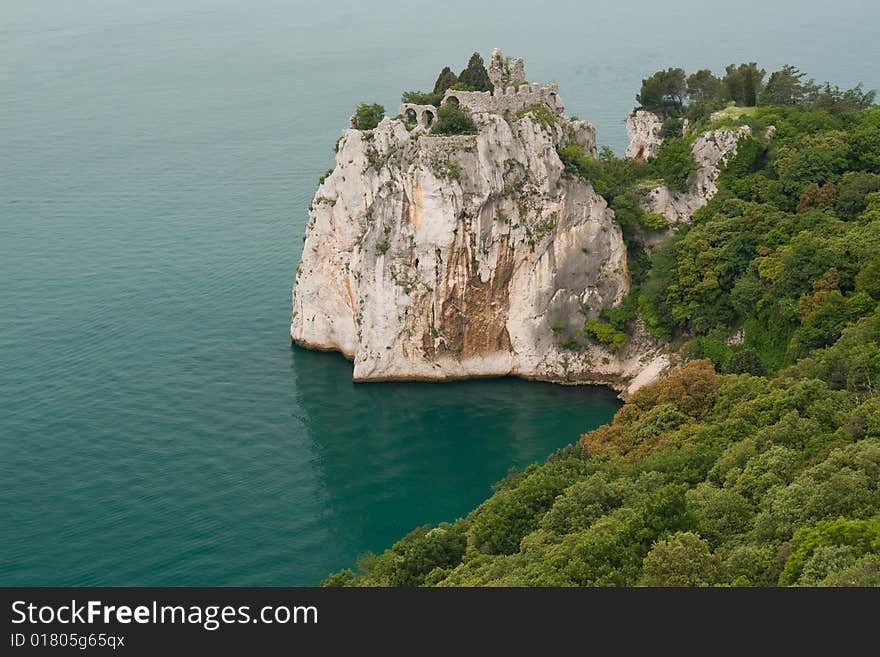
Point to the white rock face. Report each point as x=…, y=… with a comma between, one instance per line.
x=710, y=152
x=643, y=130
x=450, y=257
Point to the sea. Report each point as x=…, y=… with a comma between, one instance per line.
x=157, y=160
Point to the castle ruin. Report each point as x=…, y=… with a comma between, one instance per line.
x=512, y=92
x=506, y=71
x=421, y=115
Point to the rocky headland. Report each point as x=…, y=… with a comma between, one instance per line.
x=433, y=256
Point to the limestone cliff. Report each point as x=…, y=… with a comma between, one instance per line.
x=710, y=151
x=643, y=130
x=435, y=257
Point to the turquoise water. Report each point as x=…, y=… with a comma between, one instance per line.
x=156, y=163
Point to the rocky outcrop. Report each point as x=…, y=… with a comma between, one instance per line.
x=432, y=257
x=504, y=72
x=643, y=130
x=710, y=151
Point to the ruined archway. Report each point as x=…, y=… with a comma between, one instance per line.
x=410, y=116
x=429, y=118
x=452, y=99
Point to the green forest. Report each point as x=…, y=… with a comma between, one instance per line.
x=757, y=462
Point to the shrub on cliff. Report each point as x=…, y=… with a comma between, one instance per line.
x=454, y=119
x=605, y=334
x=655, y=221
x=420, y=98
x=672, y=127
x=610, y=175
x=674, y=162
x=367, y=116
x=577, y=163
x=539, y=113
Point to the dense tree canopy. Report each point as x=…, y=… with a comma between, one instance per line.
x=701, y=480
x=780, y=248
x=757, y=462
x=787, y=87
x=743, y=83
x=673, y=94
x=664, y=92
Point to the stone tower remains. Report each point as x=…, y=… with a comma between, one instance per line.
x=505, y=72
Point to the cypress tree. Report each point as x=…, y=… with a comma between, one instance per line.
x=475, y=75
x=751, y=96
x=445, y=80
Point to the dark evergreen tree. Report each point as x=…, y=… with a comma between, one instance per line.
x=475, y=75
x=664, y=92
x=445, y=80
x=704, y=87
x=746, y=361
x=743, y=83
x=787, y=87
x=750, y=95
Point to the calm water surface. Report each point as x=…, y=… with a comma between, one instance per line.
x=157, y=162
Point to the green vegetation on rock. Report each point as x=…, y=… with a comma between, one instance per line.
x=605, y=334
x=540, y=113
x=671, y=94
x=785, y=250
x=674, y=162
x=367, y=116
x=474, y=77
x=453, y=119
